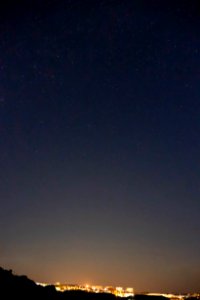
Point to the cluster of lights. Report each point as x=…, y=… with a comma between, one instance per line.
x=117, y=291
x=174, y=296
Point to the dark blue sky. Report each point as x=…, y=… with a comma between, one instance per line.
x=99, y=142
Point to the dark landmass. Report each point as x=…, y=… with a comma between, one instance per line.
x=21, y=287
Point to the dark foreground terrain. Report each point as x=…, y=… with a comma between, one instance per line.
x=20, y=287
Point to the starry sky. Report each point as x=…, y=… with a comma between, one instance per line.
x=100, y=142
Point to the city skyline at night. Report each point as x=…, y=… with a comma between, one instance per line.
x=99, y=142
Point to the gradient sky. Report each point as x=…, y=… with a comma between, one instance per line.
x=100, y=142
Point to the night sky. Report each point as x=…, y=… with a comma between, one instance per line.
x=100, y=142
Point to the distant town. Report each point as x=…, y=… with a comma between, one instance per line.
x=21, y=287
x=117, y=291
